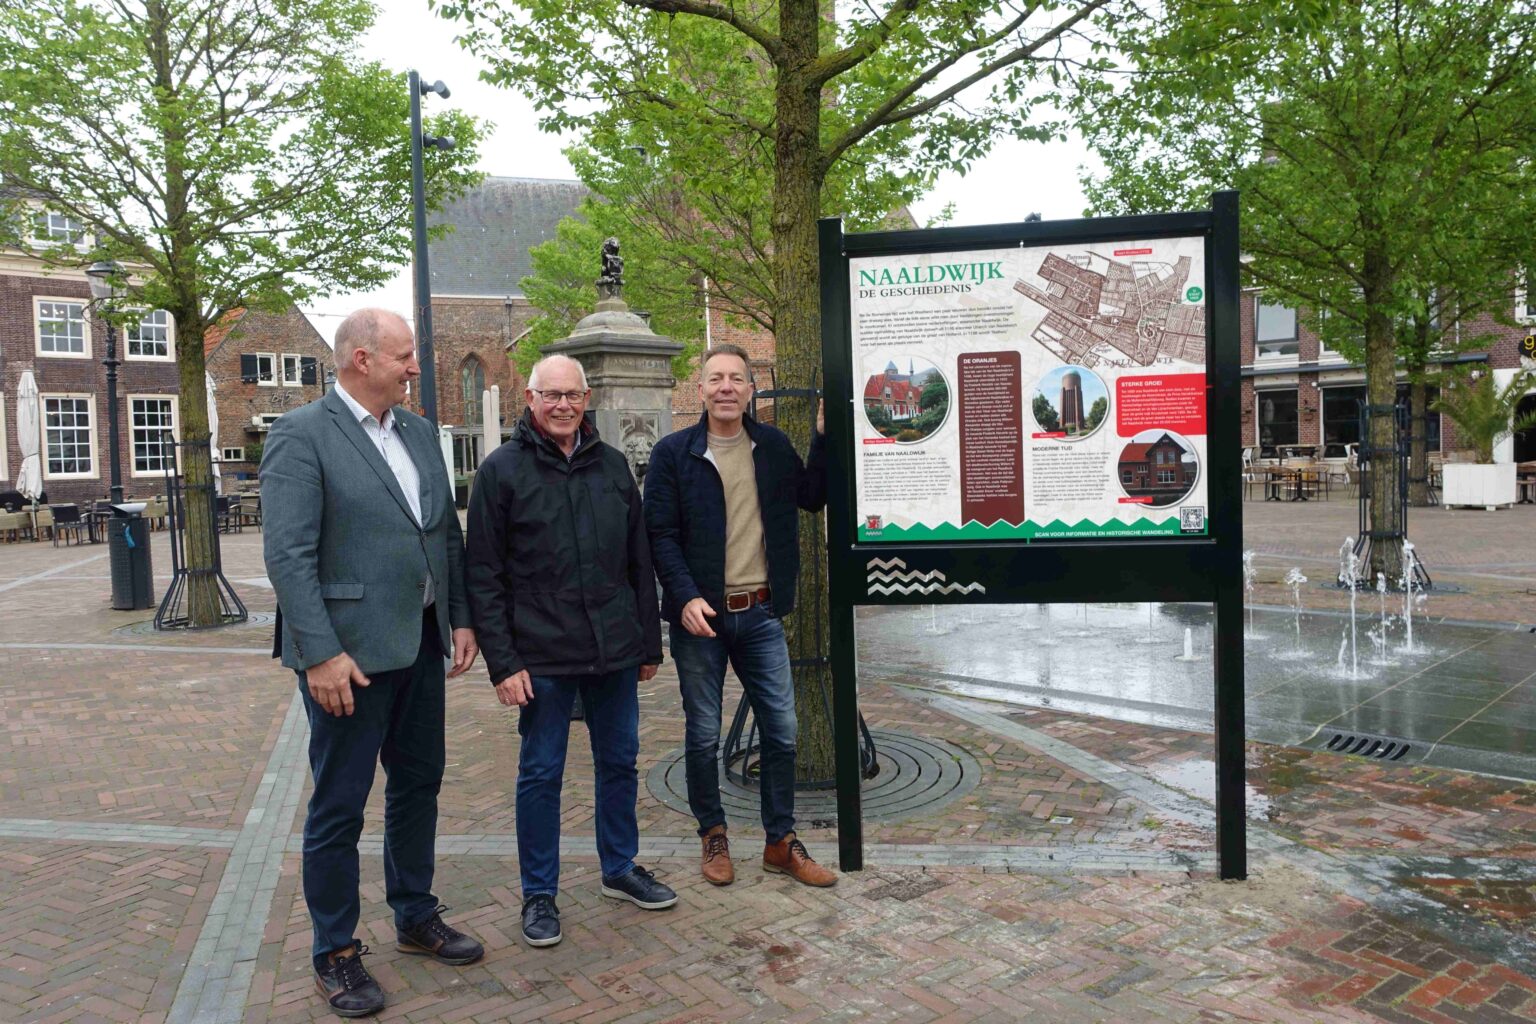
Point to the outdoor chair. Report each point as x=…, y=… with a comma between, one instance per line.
x=68, y=521
x=249, y=510
x=227, y=514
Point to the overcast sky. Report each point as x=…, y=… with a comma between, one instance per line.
x=1015, y=180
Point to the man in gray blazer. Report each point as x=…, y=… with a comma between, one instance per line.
x=364, y=550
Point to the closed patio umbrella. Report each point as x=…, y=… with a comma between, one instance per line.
x=29, y=437
x=215, y=454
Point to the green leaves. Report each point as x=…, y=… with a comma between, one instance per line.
x=242, y=154
x=1484, y=412
x=1383, y=150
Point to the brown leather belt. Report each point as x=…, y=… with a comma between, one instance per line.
x=741, y=600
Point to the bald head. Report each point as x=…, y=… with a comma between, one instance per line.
x=362, y=330
x=376, y=358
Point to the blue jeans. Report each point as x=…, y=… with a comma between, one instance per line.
x=753, y=643
x=612, y=706
x=397, y=721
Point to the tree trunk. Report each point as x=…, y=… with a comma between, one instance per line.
x=797, y=329
x=1418, y=451
x=196, y=464
x=203, y=605
x=1381, y=436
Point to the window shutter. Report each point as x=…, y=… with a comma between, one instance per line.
x=248, y=370
x=308, y=370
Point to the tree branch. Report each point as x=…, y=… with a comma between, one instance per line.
x=770, y=43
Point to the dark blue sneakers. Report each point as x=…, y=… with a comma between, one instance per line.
x=640, y=888
x=541, y=921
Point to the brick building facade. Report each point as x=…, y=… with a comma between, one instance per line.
x=1295, y=390
x=479, y=311
x=48, y=327
x=263, y=365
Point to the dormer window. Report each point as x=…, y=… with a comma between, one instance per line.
x=52, y=228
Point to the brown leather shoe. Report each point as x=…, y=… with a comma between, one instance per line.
x=718, y=869
x=788, y=857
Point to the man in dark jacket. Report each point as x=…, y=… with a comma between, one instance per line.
x=561, y=588
x=720, y=505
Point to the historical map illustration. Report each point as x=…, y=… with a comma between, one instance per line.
x=1135, y=306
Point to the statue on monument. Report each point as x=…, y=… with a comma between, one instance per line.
x=610, y=284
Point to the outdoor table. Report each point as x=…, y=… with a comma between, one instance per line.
x=1277, y=479
x=95, y=521
x=1307, y=478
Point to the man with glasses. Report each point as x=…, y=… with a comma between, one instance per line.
x=561, y=588
x=720, y=501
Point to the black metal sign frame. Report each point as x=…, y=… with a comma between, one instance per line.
x=1201, y=569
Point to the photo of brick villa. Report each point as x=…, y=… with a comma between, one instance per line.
x=1159, y=465
x=906, y=406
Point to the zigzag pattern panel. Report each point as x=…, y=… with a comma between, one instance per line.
x=915, y=574
x=926, y=588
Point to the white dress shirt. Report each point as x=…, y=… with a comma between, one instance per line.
x=392, y=446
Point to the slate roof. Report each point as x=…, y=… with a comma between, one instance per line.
x=496, y=223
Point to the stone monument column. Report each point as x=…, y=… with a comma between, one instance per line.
x=628, y=366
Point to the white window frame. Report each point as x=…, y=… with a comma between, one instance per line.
x=298, y=370
x=1295, y=339
x=133, y=462
x=238, y=456
x=271, y=358
x=90, y=408
x=1525, y=300
x=37, y=326
x=48, y=216
x=170, y=340
x=5, y=452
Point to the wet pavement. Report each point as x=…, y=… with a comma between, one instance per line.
x=1462, y=696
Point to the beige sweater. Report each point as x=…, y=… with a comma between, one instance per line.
x=746, y=555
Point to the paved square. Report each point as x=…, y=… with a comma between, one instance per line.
x=152, y=789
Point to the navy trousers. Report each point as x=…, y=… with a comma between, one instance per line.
x=397, y=721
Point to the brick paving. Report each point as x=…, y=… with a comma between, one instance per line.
x=134, y=765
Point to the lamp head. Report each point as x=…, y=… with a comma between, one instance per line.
x=105, y=278
x=437, y=87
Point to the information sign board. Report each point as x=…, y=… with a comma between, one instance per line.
x=1036, y=413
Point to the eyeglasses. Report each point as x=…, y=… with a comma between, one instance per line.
x=553, y=397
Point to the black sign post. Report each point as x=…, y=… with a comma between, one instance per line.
x=1201, y=564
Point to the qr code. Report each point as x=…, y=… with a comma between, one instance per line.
x=1192, y=519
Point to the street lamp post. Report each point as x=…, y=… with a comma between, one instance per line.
x=106, y=289
x=418, y=88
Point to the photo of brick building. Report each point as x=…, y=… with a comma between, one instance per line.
x=1157, y=465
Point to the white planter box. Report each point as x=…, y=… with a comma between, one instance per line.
x=1467, y=483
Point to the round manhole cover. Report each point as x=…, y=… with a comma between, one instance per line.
x=918, y=775
x=147, y=627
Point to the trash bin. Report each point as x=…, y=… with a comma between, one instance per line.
x=128, y=554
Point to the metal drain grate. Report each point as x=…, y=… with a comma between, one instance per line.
x=1378, y=748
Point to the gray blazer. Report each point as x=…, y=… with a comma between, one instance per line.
x=343, y=551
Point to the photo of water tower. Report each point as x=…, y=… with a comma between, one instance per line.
x=1071, y=401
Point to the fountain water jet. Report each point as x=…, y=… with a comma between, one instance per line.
x=1250, y=574
x=1349, y=576
x=1294, y=579
x=1408, y=578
